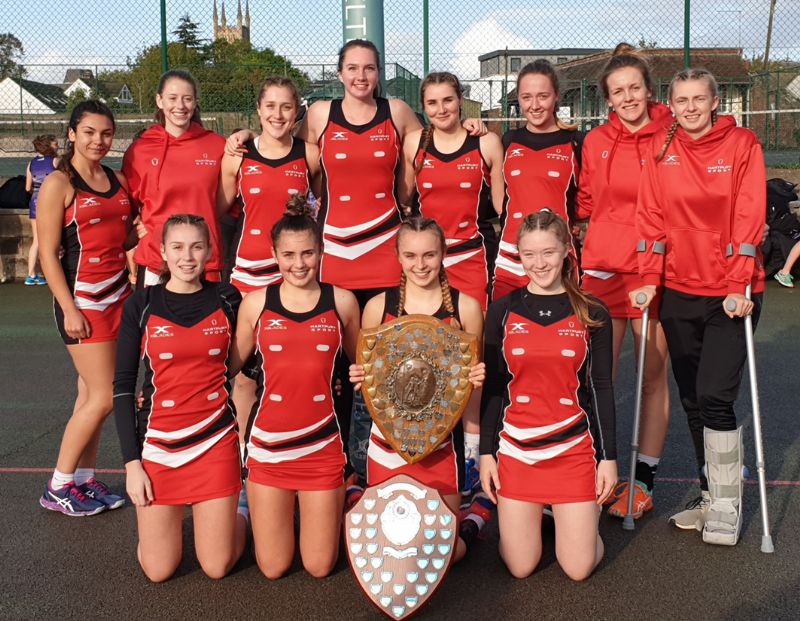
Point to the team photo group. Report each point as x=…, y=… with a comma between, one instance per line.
x=239, y=368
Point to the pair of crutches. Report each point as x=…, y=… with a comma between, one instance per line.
x=628, y=521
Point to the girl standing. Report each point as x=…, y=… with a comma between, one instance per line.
x=460, y=183
x=39, y=167
x=542, y=162
x=174, y=167
x=180, y=447
x=612, y=164
x=700, y=216
x=84, y=210
x=548, y=350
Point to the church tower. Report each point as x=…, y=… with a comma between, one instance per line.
x=230, y=33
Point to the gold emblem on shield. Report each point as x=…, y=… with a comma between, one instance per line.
x=415, y=381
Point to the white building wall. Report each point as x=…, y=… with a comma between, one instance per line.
x=12, y=103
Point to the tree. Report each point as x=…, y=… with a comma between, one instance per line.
x=77, y=96
x=10, y=51
x=644, y=44
x=187, y=33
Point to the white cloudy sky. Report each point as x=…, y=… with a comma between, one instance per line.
x=85, y=32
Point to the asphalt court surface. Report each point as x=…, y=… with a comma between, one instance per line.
x=55, y=566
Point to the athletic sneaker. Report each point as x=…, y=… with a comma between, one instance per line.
x=692, y=517
x=472, y=478
x=475, y=518
x=642, y=502
x=40, y=280
x=619, y=490
x=98, y=491
x=787, y=280
x=71, y=501
x=30, y=280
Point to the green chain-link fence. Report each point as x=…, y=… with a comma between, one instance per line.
x=52, y=54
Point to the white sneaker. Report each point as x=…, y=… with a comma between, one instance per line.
x=693, y=516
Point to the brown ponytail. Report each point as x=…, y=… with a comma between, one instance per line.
x=427, y=136
x=546, y=220
x=625, y=55
x=447, y=298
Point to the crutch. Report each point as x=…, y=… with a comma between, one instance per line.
x=766, y=537
x=627, y=521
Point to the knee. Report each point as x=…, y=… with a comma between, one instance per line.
x=273, y=570
x=242, y=382
x=520, y=567
x=318, y=567
x=216, y=568
x=578, y=571
x=158, y=571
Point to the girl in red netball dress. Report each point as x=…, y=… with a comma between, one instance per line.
x=542, y=162
x=295, y=449
x=181, y=446
x=173, y=167
x=612, y=163
x=424, y=289
x=460, y=183
x=547, y=413
x=275, y=167
x=84, y=212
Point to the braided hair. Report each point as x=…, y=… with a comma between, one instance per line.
x=419, y=224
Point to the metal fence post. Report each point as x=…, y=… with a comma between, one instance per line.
x=687, y=6
x=164, y=59
x=425, y=39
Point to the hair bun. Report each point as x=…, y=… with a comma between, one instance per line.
x=624, y=48
x=298, y=205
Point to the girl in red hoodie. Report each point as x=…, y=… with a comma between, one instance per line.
x=173, y=167
x=612, y=164
x=700, y=216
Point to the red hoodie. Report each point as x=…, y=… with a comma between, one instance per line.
x=704, y=204
x=168, y=176
x=609, y=181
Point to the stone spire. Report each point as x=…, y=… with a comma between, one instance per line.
x=239, y=16
x=216, y=17
x=247, y=14
x=224, y=19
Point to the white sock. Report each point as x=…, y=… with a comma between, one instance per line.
x=471, y=444
x=61, y=479
x=242, y=448
x=83, y=474
x=650, y=461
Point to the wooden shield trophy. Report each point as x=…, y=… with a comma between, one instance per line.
x=401, y=537
x=415, y=384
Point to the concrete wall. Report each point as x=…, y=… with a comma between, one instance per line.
x=15, y=239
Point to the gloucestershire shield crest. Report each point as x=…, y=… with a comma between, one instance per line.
x=415, y=384
x=401, y=537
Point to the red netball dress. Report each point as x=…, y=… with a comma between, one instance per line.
x=541, y=171
x=264, y=187
x=95, y=227
x=547, y=409
x=294, y=439
x=185, y=433
x=443, y=469
x=359, y=212
x=454, y=190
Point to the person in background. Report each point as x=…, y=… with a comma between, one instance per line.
x=38, y=168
